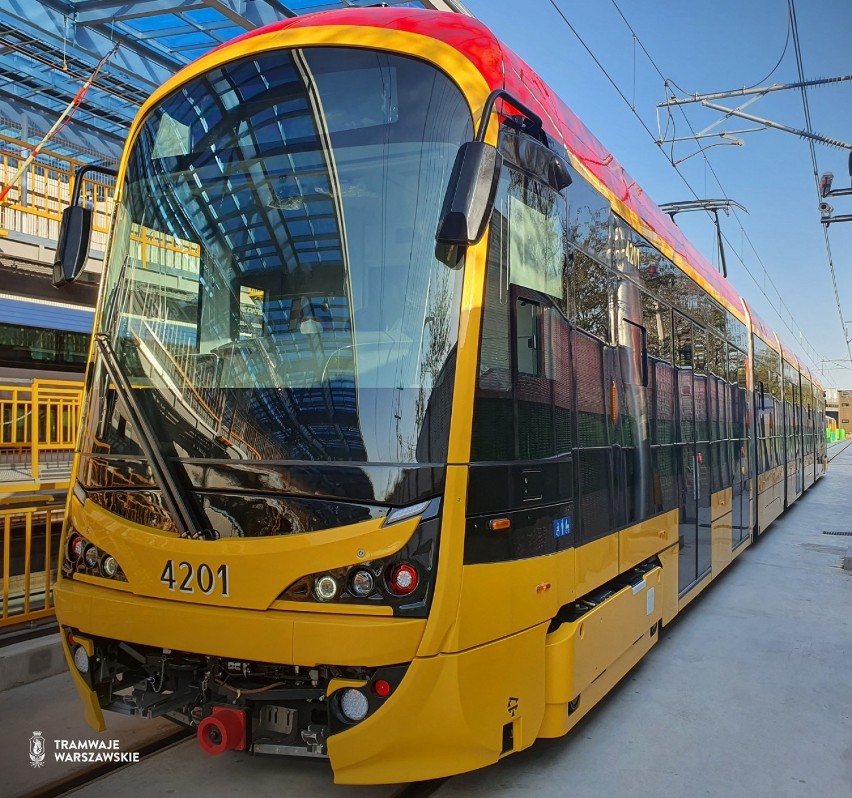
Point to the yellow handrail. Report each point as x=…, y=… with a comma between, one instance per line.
x=30, y=560
x=34, y=205
x=40, y=419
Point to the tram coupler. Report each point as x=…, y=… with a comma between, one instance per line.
x=225, y=729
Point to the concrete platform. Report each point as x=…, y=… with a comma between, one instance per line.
x=30, y=661
x=748, y=694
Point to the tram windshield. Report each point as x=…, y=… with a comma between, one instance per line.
x=272, y=290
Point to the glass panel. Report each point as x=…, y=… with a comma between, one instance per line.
x=592, y=295
x=527, y=337
x=272, y=278
x=536, y=244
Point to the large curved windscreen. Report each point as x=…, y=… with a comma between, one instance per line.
x=272, y=290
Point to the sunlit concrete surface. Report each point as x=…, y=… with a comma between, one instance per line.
x=52, y=707
x=186, y=771
x=748, y=694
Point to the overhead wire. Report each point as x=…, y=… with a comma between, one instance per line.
x=807, y=111
x=796, y=333
x=791, y=30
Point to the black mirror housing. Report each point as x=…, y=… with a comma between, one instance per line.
x=73, y=246
x=470, y=194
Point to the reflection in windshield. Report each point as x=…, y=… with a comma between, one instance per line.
x=273, y=291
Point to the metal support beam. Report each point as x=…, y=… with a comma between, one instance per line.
x=777, y=126
x=721, y=95
x=96, y=12
x=711, y=206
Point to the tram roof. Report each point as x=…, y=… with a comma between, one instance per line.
x=475, y=41
x=29, y=312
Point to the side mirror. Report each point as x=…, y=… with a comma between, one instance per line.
x=470, y=194
x=73, y=246
x=75, y=231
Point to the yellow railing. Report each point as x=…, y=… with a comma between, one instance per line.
x=35, y=203
x=30, y=557
x=38, y=424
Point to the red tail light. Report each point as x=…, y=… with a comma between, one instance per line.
x=75, y=547
x=403, y=579
x=382, y=688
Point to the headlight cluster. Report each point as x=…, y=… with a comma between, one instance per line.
x=84, y=557
x=402, y=581
x=376, y=580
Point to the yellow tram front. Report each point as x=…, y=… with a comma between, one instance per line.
x=266, y=525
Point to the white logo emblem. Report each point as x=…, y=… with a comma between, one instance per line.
x=37, y=752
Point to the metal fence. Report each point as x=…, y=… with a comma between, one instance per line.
x=38, y=432
x=35, y=203
x=38, y=429
x=30, y=556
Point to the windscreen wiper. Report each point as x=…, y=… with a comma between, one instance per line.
x=182, y=511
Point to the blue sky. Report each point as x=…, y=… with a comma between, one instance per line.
x=709, y=47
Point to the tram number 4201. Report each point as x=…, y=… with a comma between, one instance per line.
x=186, y=578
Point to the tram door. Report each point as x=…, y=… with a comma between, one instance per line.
x=687, y=473
x=702, y=407
x=740, y=446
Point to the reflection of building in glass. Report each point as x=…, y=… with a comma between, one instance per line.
x=274, y=278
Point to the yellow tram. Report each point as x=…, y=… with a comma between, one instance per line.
x=409, y=418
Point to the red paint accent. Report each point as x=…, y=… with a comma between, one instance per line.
x=381, y=688
x=231, y=726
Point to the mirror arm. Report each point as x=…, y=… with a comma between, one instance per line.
x=488, y=109
x=78, y=175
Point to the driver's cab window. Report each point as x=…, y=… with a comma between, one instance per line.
x=524, y=318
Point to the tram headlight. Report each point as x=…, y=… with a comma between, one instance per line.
x=325, y=588
x=362, y=583
x=81, y=659
x=91, y=555
x=109, y=566
x=353, y=704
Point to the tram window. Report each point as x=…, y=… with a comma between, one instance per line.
x=592, y=295
x=495, y=370
x=699, y=350
x=683, y=341
x=527, y=338
x=717, y=317
x=22, y=346
x=659, y=273
x=588, y=218
x=736, y=331
x=537, y=236
x=716, y=362
x=657, y=319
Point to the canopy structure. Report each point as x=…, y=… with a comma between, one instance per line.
x=50, y=48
